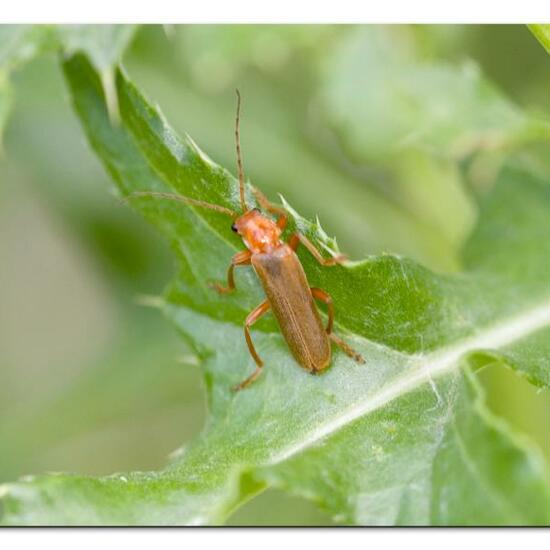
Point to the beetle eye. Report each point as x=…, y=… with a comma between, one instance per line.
x=234, y=228
x=257, y=210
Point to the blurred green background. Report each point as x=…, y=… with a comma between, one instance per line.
x=325, y=125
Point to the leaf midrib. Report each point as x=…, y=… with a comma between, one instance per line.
x=425, y=368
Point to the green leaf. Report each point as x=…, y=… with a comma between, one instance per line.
x=104, y=45
x=382, y=97
x=542, y=34
x=435, y=131
x=20, y=44
x=404, y=439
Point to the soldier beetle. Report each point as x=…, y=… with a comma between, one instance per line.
x=281, y=274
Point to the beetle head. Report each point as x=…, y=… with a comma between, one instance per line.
x=259, y=233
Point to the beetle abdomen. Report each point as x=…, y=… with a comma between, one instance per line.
x=289, y=296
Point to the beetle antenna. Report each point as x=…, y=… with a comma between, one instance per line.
x=239, y=158
x=180, y=198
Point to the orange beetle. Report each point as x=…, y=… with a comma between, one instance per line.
x=282, y=276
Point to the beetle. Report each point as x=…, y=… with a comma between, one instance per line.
x=288, y=294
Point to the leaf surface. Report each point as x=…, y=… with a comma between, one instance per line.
x=404, y=439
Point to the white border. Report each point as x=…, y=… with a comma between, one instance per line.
x=267, y=539
x=281, y=11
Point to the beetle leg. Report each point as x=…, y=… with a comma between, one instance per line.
x=349, y=351
x=322, y=296
x=298, y=238
x=252, y=317
x=241, y=258
x=268, y=207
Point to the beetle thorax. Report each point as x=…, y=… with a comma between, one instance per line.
x=259, y=233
